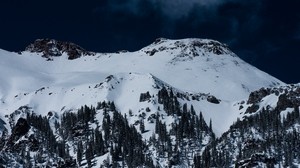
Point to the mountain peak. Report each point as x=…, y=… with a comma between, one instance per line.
x=53, y=48
x=189, y=47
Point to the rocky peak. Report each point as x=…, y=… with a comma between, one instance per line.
x=210, y=46
x=213, y=46
x=53, y=48
x=189, y=47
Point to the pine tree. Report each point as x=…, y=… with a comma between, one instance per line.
x=28, y=160
x=210, y=125
x=184, y=108
x=193, y=110
x=89, y=155
x=79, y=152
x=142, y=126
x=99, y=143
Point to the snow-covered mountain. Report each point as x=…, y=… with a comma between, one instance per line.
x=51, y=78
x=189, y=65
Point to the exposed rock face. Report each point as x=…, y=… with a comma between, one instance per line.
x=188, y=48
x=256, y=96
x=211, y=46
x=21, y=128
x=213, y=99
x=53, y=48
x=288, y=97
x=252, y=109
x=20, y=137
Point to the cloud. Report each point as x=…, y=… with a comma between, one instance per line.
x=173, y=9
x=228, y=21
x=177, y=9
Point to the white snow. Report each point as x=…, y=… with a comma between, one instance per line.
x=270, y=100
x=284, y=113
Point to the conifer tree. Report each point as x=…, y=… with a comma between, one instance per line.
x=79, y=152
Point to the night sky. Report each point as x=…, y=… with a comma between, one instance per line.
x=265, y=33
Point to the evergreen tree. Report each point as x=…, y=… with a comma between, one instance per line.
x=89, y=155
x=142, y=126
x=79, y=152
x=99, y=143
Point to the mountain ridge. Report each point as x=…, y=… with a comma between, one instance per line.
x=177, y=52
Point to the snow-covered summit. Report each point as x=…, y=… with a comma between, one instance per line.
x=210, y=62
x=191, y=47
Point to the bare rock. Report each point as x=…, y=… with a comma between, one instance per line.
x=53, y=48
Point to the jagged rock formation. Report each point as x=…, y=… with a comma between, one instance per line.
x=288, y=97
x=190, y=48
x=53, y=48
x=21, y=128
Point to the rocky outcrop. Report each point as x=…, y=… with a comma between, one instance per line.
x=288, y=97
x=213, y=99
x=53, y=48
x=22, y=127
x=252, y=109
x=256, y=160
x=188, y=47
x=211, y=46
x=258, y=95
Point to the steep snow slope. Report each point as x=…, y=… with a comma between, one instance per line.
x=189, y=65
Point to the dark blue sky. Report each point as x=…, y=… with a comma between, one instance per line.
x=265, y=33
